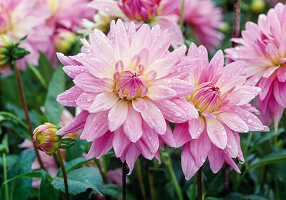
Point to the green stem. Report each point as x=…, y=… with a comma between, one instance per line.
x=151, y=184
x=140, y=178
x=64, y=173
x=21, y=90
x=105, y=179
x=124, y=172
x=5, y=176
x=167, y=160
x=199, y=184
x=182, y=16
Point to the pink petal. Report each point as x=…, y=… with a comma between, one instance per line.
x=103, y=101
x=117, y=115
x=188, y=108
x=68, y=98
x=196, y=127
x=150, y=138
x=121, y=42
x=144, y=150
x=280, y=94
x=218, y=60
x=200, y=149
x=181, y=87
x=131, y=157
x=154, y=118
x=253, y=123
x=231, y=146
x=85, y=100
x=168, y=137
x=160, y=93
x=231, y=163
x=240, y=154
x=141, y=39
x=216, y=158
x=164, y=66
x=108, y=6
x=133, y=125
x=100, y=146
x=216, y=133
x=74, y=70
x=248, y=93
x=102, y=47
x=92, y=84
x=181, y=134
x=76, y=125
x=188, y=164
x=65, y=60
x=281, y=74
x=120, y=142
x=96, y=126
x=234, y=122
x=139, y=104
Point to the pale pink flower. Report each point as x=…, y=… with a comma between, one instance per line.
x=145, y=11
x=222, y=100
x=126, y=86
x=205, y=19
x=19, y=18
x=263, y=49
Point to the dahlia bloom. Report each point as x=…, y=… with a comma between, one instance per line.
x=205, y=19
x=145, y=11
x=263, y=49
x=126, y=86
x=19, y=18
x=222, y=101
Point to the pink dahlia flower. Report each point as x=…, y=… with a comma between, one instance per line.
x=263, y=49
x=126, y=86
x=222, y=101
x=145, y=11
x=19, y=18
x=205, y=19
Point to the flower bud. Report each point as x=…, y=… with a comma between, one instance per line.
x=46, y=139
x=257, y=5
x=64, y=41
x=6, y=44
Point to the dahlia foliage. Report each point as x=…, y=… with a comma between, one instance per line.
x=114, y=83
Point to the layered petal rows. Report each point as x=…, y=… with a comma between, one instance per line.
x=263, y=49
x=126, y=86
x=221, y=98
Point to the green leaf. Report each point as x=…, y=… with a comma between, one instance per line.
x=46, y=68
x=33, y=174
x=47, y=191
x=38, y=75
x=115, y=191
x=73, y=164
x=11, y=159
x=79, y=180
x=253, y=197
x=53, y=109
x=270, y=159
x=20, y=188
x=76, y=150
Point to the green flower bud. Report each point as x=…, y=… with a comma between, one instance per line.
x=64, y=41
x=46, y=139
x=257, y=5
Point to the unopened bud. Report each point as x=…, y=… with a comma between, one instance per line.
x=46, y=139
x=257, y=5
x=64, y=41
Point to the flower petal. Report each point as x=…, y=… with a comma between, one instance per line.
x=160, y=93
x=196, y=127
x=120, y=142
x=100, y=146
x=154, y=118
x=131, y=157
x=139, y=104
x=76, y=125
x=68, y=98
x=188, y=164
x=96, y=125
x=234, y=122
x=181, y=134
x=133, y=125
x=216, y=133
x=216, y=158
x=117, y=115
x=103, y=101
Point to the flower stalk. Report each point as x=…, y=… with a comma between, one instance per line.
x=140, y=178
x=151, y=184
x=21, y=90
x=236, y=20
x=199, y=183
x=124, y=172
x=5, y=176
x=182, y=16
x=167, y=160
x=64, y=173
